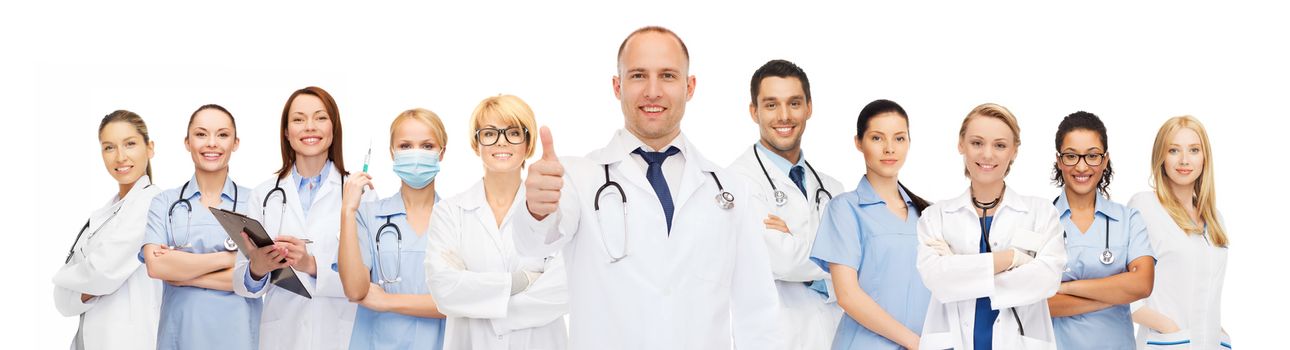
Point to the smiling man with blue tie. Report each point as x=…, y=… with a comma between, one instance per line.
x=662, y=247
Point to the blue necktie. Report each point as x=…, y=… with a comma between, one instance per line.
x=798, y=175
x=655, y=176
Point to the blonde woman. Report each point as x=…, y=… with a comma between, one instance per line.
x=494, y=298
x=383, y=243
x=990, y=257
x=1187, y=234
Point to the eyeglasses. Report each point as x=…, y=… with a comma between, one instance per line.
x=1092, y=159
x=489, y=136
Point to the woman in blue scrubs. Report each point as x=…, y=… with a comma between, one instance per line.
x=1109, y=259
x=868, y=241
x=383, y=244
x=185, y=247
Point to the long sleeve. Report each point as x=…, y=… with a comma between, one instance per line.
x=963, y=276
x=1039, y=279
x=754, y=300
x=789, y=253
x=114, y=256
x=459, y=292
x=534, y=238
x=546, y=300
x=68, y=302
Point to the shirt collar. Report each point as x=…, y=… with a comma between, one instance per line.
x=393, y=205
x=623, y=143
x=867, y=196
x=322, y=175
x=225, y=193
x=780, y=162
x=1101, y=205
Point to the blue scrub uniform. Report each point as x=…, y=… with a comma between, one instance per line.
x=388, y=330
x=193, y=317
x=1110, y=328
x=858, y=231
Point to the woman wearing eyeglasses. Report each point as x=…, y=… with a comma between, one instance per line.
x=1109, y=260
x=494, y=298
x=381, y=259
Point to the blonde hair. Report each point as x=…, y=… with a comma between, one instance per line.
x=425, y=116
x=1204, y=199
x=991, y=110
x=507, y=109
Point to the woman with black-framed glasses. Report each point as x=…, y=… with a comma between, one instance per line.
x=1109, y=259
x=494, y=299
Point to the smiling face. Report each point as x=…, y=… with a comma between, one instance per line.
x=1184, y=157
x=1082, y=178
x=211, y=140
x=988, y=147
x=652, y=86
x=502, y=156
x=781, y=113
x=884, y=144
x=309, y=127
x=125, y=153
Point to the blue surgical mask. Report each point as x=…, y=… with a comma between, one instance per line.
x=417, y=167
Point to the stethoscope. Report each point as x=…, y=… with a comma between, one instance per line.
x=725, y=200
x=780, y=197
x=72, y=251
x=229, y=245
x=985, y=209
x=1107, y=256
x=264, y=206
x=398, y=245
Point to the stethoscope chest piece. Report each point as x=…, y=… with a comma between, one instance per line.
x=229, y=245
x=1107, y=257
x=725, y=199
x=780, y=198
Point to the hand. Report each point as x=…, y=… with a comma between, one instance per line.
x=375, y=299
x=353, y=192
x=266, y=259
x=940, y=247
x=546, y=178
x=161, y=250
x=1019, y=257
x=298, y=251
x=521, y=280
x=775, y=223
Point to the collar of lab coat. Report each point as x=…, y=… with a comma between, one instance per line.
x=1011, y=200
x=623, y=143
x=393, y=205
x=226, y=193
x=475, y=197
x=867, y=196
x=1100, y=206
x=785, y=183
x=115, y=203
x=779, y=162
x=291, y=185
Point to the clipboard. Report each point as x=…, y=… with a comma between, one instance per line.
x=234, y=224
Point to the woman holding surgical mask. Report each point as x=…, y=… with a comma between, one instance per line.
x=990, y=257
x=1109, y=262
x=383, y=244
x=300, y=209
x=186, y=247
x=102, y=280
x=495, y=299
x=868, y=241
x=1190, y=241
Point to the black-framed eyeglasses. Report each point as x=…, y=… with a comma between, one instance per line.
x=489, y=136
x=1092, y=159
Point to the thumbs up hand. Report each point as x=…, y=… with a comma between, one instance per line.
x=546, y=178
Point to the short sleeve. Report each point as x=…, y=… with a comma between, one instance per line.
x=838, y=237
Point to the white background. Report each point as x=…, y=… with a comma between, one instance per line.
x=1135, y=65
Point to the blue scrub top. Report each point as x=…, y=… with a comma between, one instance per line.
x=388, y=330
x=1110, y=328
x=984, y=316
x=193, y=317
x=858, y=231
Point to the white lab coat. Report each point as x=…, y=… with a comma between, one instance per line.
x=808, y=319
x=956, y=281
x=1189, y=281
x=106, y=263
x=702, y=286
x=469, y=265
x=290, y=321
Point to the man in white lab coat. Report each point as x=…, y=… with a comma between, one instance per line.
x=663, y=249
x=794, y=194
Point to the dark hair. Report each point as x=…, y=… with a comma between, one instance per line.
x=1083, y=121
x=215, y=107
x=136, y=121
x=335, y=153
x=782, y=69
x=876, y=108
x=654, y=29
